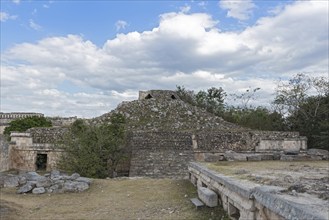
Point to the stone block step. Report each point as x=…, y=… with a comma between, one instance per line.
x=197, y=202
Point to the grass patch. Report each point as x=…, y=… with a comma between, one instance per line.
x=114, y=199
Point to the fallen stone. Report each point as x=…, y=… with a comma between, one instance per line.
x=11, y=181
x=84, y=179
x=39, y=190
x=254, y=157
x=208, y=197
x=25, y=189
x=324, y=154
x=32, y=176
x=22, y=180
x=74, y=176
x=54, y=174
x=233, y=156
x=43, y=182
x=71, y=186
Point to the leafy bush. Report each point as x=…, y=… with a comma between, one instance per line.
x=94, y=150
x=23, y=124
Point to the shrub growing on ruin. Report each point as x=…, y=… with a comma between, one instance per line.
x=21, y=125
x=94, y=150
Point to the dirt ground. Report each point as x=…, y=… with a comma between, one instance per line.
x=139, y=198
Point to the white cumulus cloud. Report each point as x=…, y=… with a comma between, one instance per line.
x=16, y=1
x=183, y=49
x=120, y=24
x=34, y=25
x=4, y=16
x=239, y=9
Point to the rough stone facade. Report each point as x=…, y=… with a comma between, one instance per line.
x=160, y=154
x=24, y=149
x=167, y=95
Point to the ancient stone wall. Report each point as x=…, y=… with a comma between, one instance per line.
x=25, y=159
x=47, y=135
x=166, y=154
x=4, y=153
x=222, y=141
x=160, y=154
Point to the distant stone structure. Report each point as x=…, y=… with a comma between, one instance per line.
x=165, y=95
x=6, y=118
x=164, y=134
x=35, y=149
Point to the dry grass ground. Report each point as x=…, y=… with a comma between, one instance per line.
x=111, y=199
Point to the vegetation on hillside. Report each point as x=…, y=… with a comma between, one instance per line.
x=94, y=150
x=301, y=104
x=21, y=125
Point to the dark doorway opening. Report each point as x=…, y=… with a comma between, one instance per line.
x=41, y=162
x=148, y=96
x=173, y=97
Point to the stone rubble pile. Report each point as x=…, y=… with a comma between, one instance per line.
x=54, y=182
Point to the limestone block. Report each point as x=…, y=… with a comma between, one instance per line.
x=39, y=190
x=11, y=181
x=256, y=157
x=208, y=196
x=84, y=179
x=319, y=152
x=71, y=186
x=26, y=188
x=233, y=156
x=43, y=182
x=32, y=176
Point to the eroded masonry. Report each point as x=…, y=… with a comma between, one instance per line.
x=164, y=135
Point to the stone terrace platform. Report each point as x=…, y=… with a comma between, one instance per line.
x=267, y=189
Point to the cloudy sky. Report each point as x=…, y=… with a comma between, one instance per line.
x=82, y=58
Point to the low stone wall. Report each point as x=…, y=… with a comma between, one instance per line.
x=166, y=154
x=4, y=153
x=246, y=200
x=47, y=135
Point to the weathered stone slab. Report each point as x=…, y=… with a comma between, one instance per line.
x=197, y=202
x=71, y=186
x=324, y=154
x=233, y=156
x=256, y=157
x=25, y=189
x=208, y=196
x=11, y=181
x=43, y=182
x=32, y=176
x=39, y=190
x=84, y=179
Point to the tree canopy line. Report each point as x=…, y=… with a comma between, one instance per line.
x=301, y=104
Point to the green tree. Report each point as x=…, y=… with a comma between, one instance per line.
x=94, y=151
x=23, y=124
x=258, y=118
x=304, y=101
x=212, y=100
